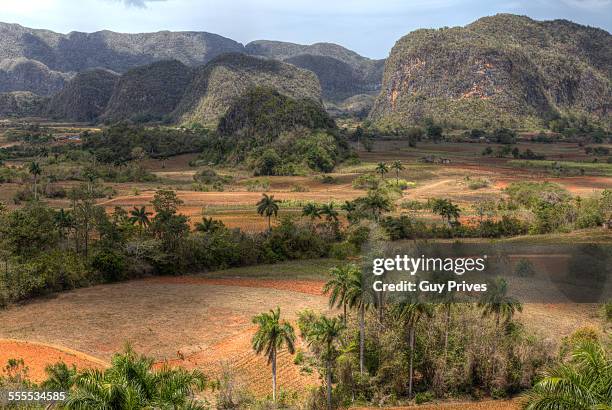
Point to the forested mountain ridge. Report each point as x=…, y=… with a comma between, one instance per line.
x=502, y=70
x=342, y=72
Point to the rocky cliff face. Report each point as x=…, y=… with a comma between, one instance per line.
x=501, y=70
x=341, y=72
x=217, y=84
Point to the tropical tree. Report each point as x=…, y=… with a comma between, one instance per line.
x=350, y=207
x=583, y=383
x=446, y=209
x=140, y=216
x=132, y=383
x=376, y=203
x=358, y=298
x=410, y=312
x=60, y=377
x=338, y=286
x=312, y=211
x=208, y=225
x=268, y=207
x=35, y=170
x=382, y=169
x=398, y=167
x=63, y=221
x=495, y=301
x=272, y=334
x=325, y=333
x=330, y=213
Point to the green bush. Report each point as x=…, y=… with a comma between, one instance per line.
x=424, y=397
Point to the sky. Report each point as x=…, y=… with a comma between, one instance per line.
x=369, y=27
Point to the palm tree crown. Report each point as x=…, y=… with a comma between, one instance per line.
x=140, y=216
x=382, y=169
x=312, y=211
x=497, y=302
x=268, y=207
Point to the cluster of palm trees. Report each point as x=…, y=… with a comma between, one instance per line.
x=314, y=211
x=131, y=382
x=346, y=289
x=382, y=168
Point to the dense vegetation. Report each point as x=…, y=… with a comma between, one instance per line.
x=503, y=70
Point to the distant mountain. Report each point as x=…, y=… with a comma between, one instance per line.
x=50, y=56
x=216, y=85
x=85, y=97
x=342, y=72
x=21, y=104
x=22, y=74
x=503, y=70
x=148, y=93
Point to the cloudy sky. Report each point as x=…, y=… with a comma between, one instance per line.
x=369, y=27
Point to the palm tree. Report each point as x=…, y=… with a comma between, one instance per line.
x=410, y=312
x=312, y=211
x=357, y=297
x=271, y=335
x=140, y=216
x=331, y=215
x=382, y=169
x=350, y=208
x=398, y=167
x=60, y=377
x=132, y=383
x=446, y=209
x=268, y=206
x=35, y=170
x=497, y=302
x=208, y=225
x=338, y=286
x=325, y=332
x=376, y=203
x=584, y=383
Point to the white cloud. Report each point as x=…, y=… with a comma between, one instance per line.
x=137, y=3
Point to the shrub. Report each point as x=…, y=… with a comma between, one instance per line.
x=110, y=264
x=424, y=397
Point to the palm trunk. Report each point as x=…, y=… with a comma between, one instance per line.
x=35, y=187
x=329, y=385
x=344, y=306
x=274, y=375
x=270, y=223
x=411, y=368
x=361, y=337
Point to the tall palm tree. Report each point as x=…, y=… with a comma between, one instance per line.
x=325, y=332
x=272, y=333
x=268, y=207
x=35, y=170
x=330, y=213
x=357, y=297
x=132, y=383
x=338, y=286
x=584, y=383
x=495, y=301
x=140, y=216
x=382, y=169
x=312, y=211
x=350, y=208
x=398, y=167
x=410, y=312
